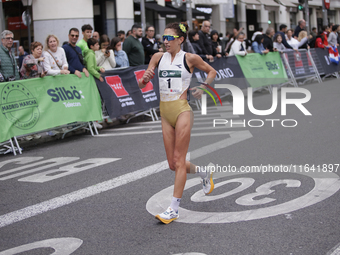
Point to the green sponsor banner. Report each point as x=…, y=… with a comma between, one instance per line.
x=29, y=106
x=263, y=70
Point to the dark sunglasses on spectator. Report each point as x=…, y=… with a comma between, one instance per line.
x=74, y=35
x=169, y=37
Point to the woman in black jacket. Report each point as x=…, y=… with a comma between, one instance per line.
x=193, y=38
x=216, y=44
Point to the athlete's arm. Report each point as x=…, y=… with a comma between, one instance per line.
x=193, y=61
x=149, y=73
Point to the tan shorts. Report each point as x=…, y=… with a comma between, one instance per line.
x=170, y=110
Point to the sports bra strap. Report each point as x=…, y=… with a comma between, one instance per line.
x=186, y=64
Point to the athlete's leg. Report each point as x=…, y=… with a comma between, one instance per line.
x=182, y=139
x=169, y=142
x=171, y=212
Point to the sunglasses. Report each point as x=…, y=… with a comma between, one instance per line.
x=75, y=36
x=169, y=37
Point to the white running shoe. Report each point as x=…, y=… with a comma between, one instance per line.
x=208, y=183
x=168, y=216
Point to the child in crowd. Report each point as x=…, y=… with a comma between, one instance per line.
x=278, y=45
x=90, y=59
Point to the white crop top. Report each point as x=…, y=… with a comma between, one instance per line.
x=174, y=78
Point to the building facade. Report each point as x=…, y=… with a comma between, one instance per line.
x=110, y=16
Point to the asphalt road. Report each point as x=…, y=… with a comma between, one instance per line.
x=98, y=195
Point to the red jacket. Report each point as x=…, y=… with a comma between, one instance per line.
x=319, y=43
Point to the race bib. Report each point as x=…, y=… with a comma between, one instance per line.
x=170, y=81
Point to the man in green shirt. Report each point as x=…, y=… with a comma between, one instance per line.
x=133, y=47
x=87, y=34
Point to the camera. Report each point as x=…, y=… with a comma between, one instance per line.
x=107, y=52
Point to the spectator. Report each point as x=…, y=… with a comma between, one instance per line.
x=257, y=45
x=282, y=32
x=216, y=45
x=319, y=41
x=333, y=36
x=120, y=55
x=133, y=47
x=235, y=33
x=22, y=55
x=128, y=33
x=159, y=42
x=303, y=40
x=278, y=43
x=248, y=42
x=32, y=66
x=314, y=33
x=325, y=31
x=291, y=40
x=149, y=44
x=259, y=32
x=205, y=40
x=90, y=59
x=239, y=46
x=330, y=26
x=55, y=61
x=95, y=35
x=8, y=67
x=301, y=26
x=74, y=55
x=194, y=38
x=225, y=40
x=87, y=33
x=187, y=46
x=121, y=35
x=268, y=41
x=105, y=57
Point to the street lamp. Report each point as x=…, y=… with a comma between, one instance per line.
x=28, y=3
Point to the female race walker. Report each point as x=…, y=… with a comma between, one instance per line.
x=175, y=69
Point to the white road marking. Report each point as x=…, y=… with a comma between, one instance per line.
x=190, y=253
x=335, y=250
x=45, y=164
x=67, y=170
x=326, y=185
x=131, y=128
x=149, y=122
x=216, y=109
x=75, y=196
x=61, y=246
x=160, y=131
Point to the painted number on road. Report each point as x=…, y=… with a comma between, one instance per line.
x=61, y=246
x=52, y=174
x=325, y=185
